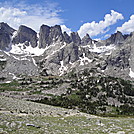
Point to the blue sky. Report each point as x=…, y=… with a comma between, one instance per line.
x=98, y=18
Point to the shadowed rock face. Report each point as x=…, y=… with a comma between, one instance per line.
x=4, y=27
x=49, y=35
x=44, y=36
x=116, y=38
x=5, y=32
x=67, y=38
x=75, y=37
x=86, y=40
x=26, y=35
x=67, y=52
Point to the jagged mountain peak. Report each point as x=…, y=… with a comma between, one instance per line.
x=25, y=35
x=86, y=40
x=23, y=28
x=5, y=28
x=67, y=38
x=60, y=51
x=116, y=38
x=48, y=35
x=5, y=35
x=75, y=37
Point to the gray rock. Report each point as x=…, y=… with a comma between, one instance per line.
x=67, y=38
x=44, y=36
x=25, y=35
x=5, y=33
x=86, y=40
x=4, y=27
x=75, y=38
x=70, y=53
x=32, y=125
x=119, y=58
x=116, y=38
x=49, y=35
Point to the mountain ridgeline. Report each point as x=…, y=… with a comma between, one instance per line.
x=56, y=68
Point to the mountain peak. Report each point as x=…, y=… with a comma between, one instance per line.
x=5, y=33
x=48, y=35
x=5, y=28
x=25, y=35
x=86, y=39
x=75, y=37
x=115, y=38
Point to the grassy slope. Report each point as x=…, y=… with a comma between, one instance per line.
x=17, y=123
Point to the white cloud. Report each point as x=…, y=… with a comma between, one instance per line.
x=64, y=28
x=107, y=36
x=33, y=16
x=102, y=26
x=128, y=26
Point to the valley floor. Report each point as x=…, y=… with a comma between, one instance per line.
x=25, y=117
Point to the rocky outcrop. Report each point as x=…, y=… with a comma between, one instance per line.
x=44, y=36
x=26, y=35
x=4, y=27
x=120, y=58
x=71, y=53
x=67, y=38
x=75, y=38
x=49, y=35
x=86, y=40
x=5, y=36
x=116, y=38
x=66, y=55
x=67, y=51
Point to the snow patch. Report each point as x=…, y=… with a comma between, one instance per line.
x=131, y=73
x=7, y=53
x=22, y=58
x=109, y=53
x=102, y=49
x=58, y=49
x=3, y=59
x=62, y=69
x=21, y=48
x=102, y=71
x=34, y=62
x=14, y=76
x=85, y=60
x=14, y=34
x=8, y=81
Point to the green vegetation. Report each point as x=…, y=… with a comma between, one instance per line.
x=10, y=86
x=60, y=125
x=88, y=91
x=96, y=95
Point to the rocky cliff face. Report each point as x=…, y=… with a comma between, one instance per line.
x=86, y=40
x=49, y=35
x=61, y=53
x=5, y=35
x=25, y=35
x=116, y=38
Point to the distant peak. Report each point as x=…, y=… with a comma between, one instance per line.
x=25, y=28
x=4, y=27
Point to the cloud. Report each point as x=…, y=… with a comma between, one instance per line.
x=64, y=28
x=128, y=26
x=103, y=26
x=30, y=15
